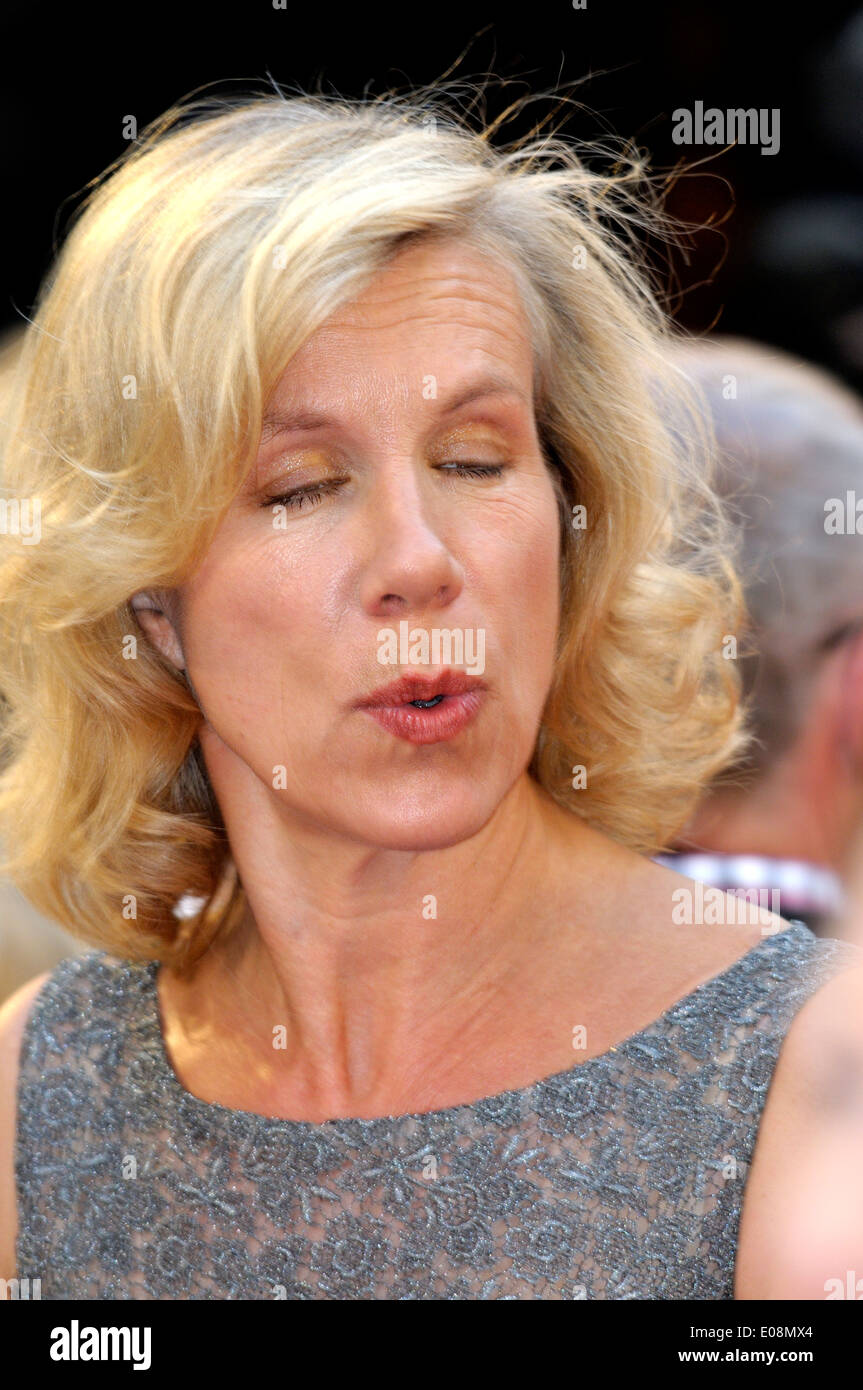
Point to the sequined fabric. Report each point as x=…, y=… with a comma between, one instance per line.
x=620, y=1178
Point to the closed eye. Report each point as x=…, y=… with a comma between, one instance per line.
x=314, y=493
x=472, y=470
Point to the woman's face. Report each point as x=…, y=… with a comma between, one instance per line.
x=415, y=500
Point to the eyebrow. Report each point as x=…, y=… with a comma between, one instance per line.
x=276, y=421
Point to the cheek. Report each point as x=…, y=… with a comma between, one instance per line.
x=527, y=570
x=541, y=572
x=539, y=614
x=233, y=615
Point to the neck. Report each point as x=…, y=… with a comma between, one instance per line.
x=804, y=808
x=377, y=963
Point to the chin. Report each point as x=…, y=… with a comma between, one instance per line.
x=438, y=820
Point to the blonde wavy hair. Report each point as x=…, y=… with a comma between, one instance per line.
x=195, y=267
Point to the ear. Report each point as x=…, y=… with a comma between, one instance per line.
x=156, y=613
x=850, y=723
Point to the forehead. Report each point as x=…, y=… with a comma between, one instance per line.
x=439, y=309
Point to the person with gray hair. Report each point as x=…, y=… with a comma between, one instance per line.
x=789, y=443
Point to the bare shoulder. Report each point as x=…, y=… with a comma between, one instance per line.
x=689, y=929
x=682, y=931
x=14, y=1013
x=645, y=936
x=801, y=1228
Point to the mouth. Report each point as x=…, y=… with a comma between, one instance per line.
x=426, y=709
x=424, y=692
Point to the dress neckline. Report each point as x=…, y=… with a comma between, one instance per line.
x=794, y=931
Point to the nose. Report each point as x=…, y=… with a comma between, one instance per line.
x=411, y=568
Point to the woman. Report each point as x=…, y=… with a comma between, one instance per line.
x=373, y=640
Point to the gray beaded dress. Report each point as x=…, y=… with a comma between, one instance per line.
x=619, y=1178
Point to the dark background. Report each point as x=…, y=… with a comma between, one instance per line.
x=784, y=266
